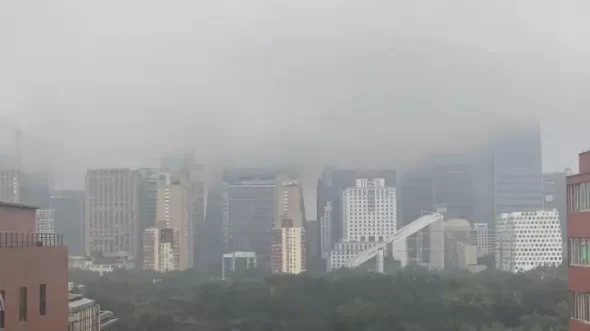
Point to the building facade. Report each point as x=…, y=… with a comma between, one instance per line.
x=578, y=237
x=10, y=186
x=483, y=239
x=147, y=199
x=173, y=211
x=330, y=186
x=111, y=213
x=527, y=240
x=250, y=212
x=160, y=251
x=369, y=213
x=45, y=221
x=555, y=194
x=518, y=174
x=68, y=207
x=34, y=289
x=289, y=240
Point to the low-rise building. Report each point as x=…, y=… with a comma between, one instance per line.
x=33, y=273
x=85, y=315
x=99, y=265
x=527, y=240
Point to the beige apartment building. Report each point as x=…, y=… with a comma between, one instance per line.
x=159, y=250
x=288, y=248
x=172, y=211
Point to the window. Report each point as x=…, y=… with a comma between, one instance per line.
x=23, y=304
x=579, y=306
x=579, y=251
x=42, y=299
x=2, y=309
x=579, y=197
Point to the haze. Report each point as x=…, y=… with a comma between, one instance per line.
x=116, y=83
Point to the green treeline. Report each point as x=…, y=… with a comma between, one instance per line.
x=412, y=299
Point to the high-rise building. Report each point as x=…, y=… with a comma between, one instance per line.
x=329, y=201
x=68, y=206
x=159, y=250
x=518, y=174
x=111, y=213
x=198, y=229
x=210, y=241
x=443, y=184
x=32, y=273
x=45, y=221
x=173, y=210
x=369, y=211
x=326, y=221
x=36, y=189
x=250, y=212
x=578, y=237
x=313, y=249
x=10, y=186
x=554, y=194
x=288, y=245
x=527, y=240
x=147, y=197
x=483, y=239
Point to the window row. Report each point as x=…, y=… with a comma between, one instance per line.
x=22, y=304
x=579, y=197
x=577, y=251
x=579, y=304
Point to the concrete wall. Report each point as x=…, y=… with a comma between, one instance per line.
x=14, y=218
x=30, y=267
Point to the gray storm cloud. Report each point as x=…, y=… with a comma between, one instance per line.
x=367, y=83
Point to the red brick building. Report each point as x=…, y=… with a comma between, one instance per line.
x=578, y=234
x=33, y=274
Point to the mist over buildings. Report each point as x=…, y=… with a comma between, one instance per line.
x=305, y=83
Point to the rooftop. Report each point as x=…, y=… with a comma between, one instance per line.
x=4, y=204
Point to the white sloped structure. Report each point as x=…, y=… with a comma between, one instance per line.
x=527, y=240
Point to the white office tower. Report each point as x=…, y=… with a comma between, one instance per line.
x=369, y=217
x=527, y=240
x=159, y=250
x=111, y=225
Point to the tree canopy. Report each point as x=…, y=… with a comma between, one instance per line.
x=412, y=299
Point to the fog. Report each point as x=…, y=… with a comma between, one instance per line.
x=304, y=83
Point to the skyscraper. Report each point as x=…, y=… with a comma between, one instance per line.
x=518, y=174
x=10, y=186
x=250, y=212
x=289, y=239
x=68, y=206
x=173, y=211
x=147, y=197
x=111, y=213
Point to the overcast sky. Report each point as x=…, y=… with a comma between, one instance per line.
x=115, y=83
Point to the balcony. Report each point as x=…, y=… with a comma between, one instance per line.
x=20, y=240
